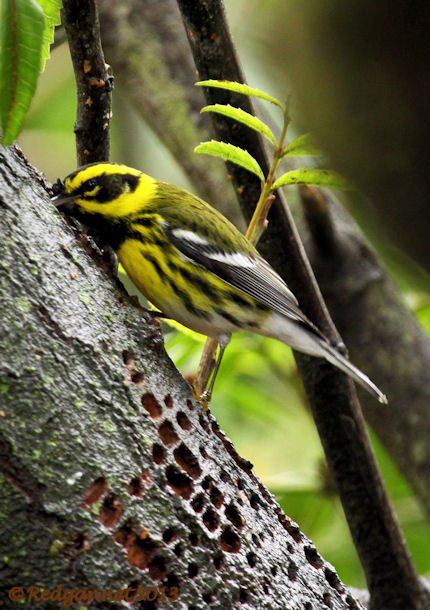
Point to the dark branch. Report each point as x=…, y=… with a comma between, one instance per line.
x=384, y=335
x=93, y=82
x=390, y=574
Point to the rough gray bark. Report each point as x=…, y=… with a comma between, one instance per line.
x=112, y=475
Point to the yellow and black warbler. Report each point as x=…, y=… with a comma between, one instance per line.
x=191, y=262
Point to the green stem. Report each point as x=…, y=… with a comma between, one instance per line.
x=257, y=222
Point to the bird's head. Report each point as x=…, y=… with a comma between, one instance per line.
x=108, y=189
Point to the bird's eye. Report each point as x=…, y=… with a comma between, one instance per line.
x=91, y=184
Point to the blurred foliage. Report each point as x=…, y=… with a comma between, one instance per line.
x=258, y=397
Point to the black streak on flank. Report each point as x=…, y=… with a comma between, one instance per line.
x=227, y=316
x=199, y=282
x=158, y=269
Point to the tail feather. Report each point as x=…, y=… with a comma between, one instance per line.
x=335, y=358
x=304, y=337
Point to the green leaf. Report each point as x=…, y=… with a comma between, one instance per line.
x=21, y=39
x=231, y=153
x=240, y=88
x=242, y=117
x=51, y=10
x=302, y=145
x=313, y=177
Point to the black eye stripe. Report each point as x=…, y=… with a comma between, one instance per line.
x=111, y=186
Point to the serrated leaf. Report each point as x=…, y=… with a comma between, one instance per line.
x=51, y=10
x=241, y=116
x=302, y=145
x=234, y=154
x=240, y=88
x=21, y=40
x=313, y=177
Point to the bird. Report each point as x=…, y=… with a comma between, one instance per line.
x=192, y=263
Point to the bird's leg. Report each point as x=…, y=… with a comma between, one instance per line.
x=206, y=396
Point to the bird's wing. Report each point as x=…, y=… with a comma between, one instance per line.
x=246, y=271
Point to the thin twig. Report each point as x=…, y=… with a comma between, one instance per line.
x=93, y=83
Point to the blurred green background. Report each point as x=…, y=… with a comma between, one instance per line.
x=258, y=399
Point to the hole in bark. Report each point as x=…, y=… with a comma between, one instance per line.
x=127, y=356
x=241, y=484
x=194, y=539
x=81, y=541
x=203, y=422
x=187, y=460
x=198, y=503
x=252, y=559
x=183, y=420
x=225, y=477
x=137, y=485
x=255, y=539
x=313, y=557
x=207, y=482
x=352, y=604
x=218, y=561
x=167, y=433
x=157, y=567
x=292, y=571
x=209, y=597
x=158, y=453
x=243, y=596
x=193, y=570
x=216, y=497
x=333, y=580
x=255, y=501
x=233, y=515
x=179, y=482
x=168, y=401
x=151, y=404
x=122, y=536
x=137, y=377
x=327, y=600
x=190, y=405
x=308, y=606
x=170, y=535
x=274, y=570
x=111, y=510
x=211, y=520
x=230, y=541
x=141, y=549
x=178, y=550
x=95, y=491
x=172, y=580
x=291, y=528
x=203, y=452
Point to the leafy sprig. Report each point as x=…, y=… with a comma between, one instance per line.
x=300, y=146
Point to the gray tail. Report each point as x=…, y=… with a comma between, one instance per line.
x=335, y=358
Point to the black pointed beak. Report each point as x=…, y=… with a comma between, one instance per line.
x=60, y=199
